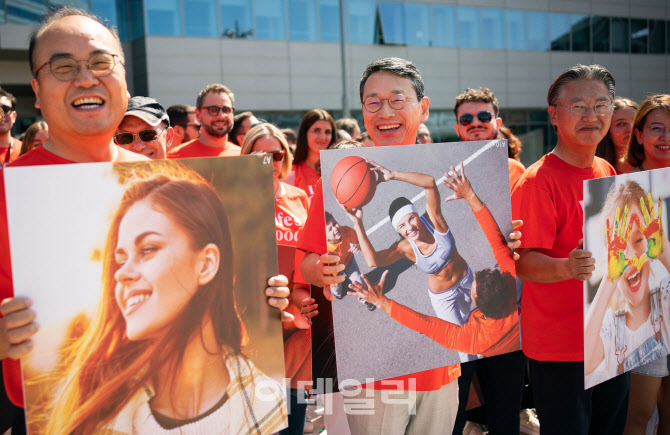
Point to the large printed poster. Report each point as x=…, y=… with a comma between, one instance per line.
x=148, y=283
x=421, y=232
x=627, y=301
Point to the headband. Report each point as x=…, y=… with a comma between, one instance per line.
x=401, y=213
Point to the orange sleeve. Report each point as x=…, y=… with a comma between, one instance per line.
x=501, y=252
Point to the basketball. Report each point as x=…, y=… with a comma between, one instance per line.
x=353, y=182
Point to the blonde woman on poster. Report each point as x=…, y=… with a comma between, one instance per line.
x=626, y=326
x=164, y=353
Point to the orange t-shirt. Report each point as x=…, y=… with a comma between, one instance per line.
x=480, y=335
x=290, y=216
x=306, y=178
x=195, y=148
x=313, y=239
x=10, y=153
x=516, y=169
x=11, y=368
x=341, y=249
x=548, y=198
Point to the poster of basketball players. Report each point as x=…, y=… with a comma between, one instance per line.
x=149, y=292
x=422, y=232
x=627, y=302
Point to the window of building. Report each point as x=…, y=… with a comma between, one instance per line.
x=200, y=18
x=517, y=33
x=270, y=19
x=444, y=26
x=639, y=36
x=79, y=4
x=362, y=21
x=24, y=11
x=581, y=32
x=600, y=34
x=538, y=31
x=656, y=36
x=667, y=37
x=236, y=19
x=111, y=11
x=302, y=20
x=493, y=28
x=136, y=19
x=329, y=17
x=392, y=17
x=163, y=17
x=468, y=28
x=418, y=24
x=620, y=32
x=559, y=32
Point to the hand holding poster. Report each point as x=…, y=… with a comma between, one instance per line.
x=424, y=209
x=627, y=317
x=166, y=346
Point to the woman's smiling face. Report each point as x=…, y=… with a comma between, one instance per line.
x=409, y=226
x=156, y=276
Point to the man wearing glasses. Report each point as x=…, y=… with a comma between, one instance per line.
x=501, y=377
x=477, y=118
x=394, y=106
x=145, y=129
x=214, y=111
x=553, y=264
x=182, y=120
x=10, y=148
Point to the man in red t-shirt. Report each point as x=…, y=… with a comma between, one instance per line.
x=394, y=106
x=553, y=265
x=83, y=100
x=501, y=377
x=214, y=111
x=10, y=147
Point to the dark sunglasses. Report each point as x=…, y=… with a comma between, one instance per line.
x=196, y=125
x=147, y=135
x=467, y=118
x=6, y=109
x=277, y=156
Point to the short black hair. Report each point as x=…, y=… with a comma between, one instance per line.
x=10, y=97
x=496, y=293
x=397, y=204
x=400, y=67
x=178, y=114
x=330, y=218
x=237, y=125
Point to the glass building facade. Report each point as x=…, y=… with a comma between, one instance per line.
x=383, y=22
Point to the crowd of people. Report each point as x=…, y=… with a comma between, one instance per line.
x=79, y=82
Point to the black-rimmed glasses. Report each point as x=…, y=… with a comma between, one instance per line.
x=66, y=68
x=214, y=110
x=147, y=135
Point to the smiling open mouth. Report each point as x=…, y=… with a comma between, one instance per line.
x=634, y=281
x=388, y=127
x=88, y=103
x=133, y=302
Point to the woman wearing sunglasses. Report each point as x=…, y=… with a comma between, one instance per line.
x=316, y=133
x=649, y=148
x=290, y=215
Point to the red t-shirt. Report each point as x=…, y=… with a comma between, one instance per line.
x=10, y=153
x=516, y=168
x=11, y=369
x=306, y=178
x=195, y=148
x=548, y=198
x=480, y=335
x=313, y=239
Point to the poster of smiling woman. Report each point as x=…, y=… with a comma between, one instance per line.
x=627, y=300
x=148, y=282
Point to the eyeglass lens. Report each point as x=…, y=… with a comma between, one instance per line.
x=144, y=135
x=467, y=118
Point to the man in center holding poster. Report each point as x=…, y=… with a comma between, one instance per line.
x=393, y=107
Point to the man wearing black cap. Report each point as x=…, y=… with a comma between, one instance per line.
x=145, y=129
